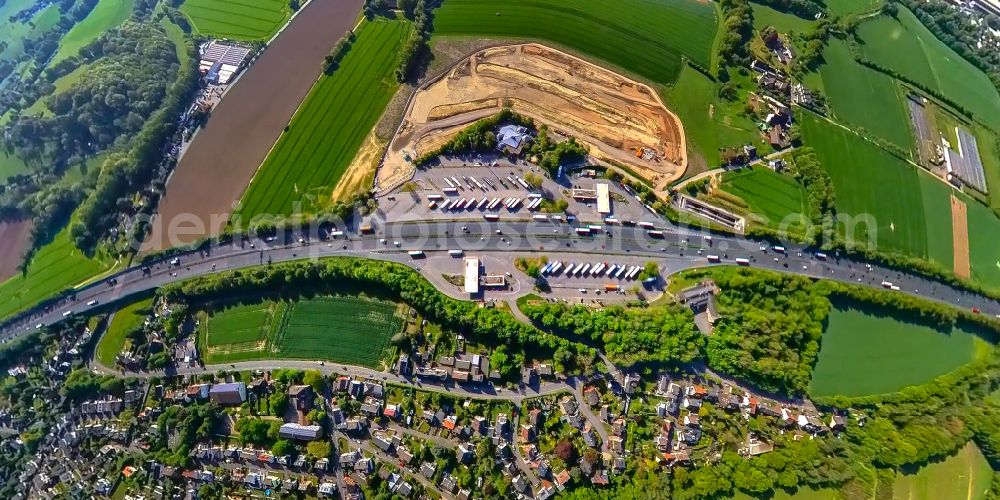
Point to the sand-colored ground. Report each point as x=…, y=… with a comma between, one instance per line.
x=612, y=115
x=358, y=176
x=960, y=237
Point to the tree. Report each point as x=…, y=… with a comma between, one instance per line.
x=650, y=270
x=565, y=451
x=294, y=5
x=729, y=91
x=318, y=449
x=316, y=380
x=407, y=6
x=252, y=430
x=282, y=447
x=534, y=180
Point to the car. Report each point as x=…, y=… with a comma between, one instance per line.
x=175, y=261
x=39, y=326
x=395, y=243
x=975, y=310
x=583, y=290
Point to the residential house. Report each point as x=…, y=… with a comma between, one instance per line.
x=231, y=394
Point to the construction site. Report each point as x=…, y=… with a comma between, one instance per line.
x=619, y=120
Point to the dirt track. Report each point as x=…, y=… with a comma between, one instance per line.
x=13, y=242
x=224, y=156
x=960, y=237
x=613, y=115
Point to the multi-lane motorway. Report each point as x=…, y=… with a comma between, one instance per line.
x=679, y=249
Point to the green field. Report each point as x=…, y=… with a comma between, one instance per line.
x=909, y=48
x=645, y=37
x=984, y=252
x=965, y=475
x=864, y=97
x=803, y=493
x=343, y=329
x=244, y=323
x=772, y=195
x=330, y=125
x=237, y=19
x=904, y=207
x=708, y=124
x=989, y=152
x=764, y=16
x=107, y=14
x=57, y=266
x=867, y=352
x=126, y=319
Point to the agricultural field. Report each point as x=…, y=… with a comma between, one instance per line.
x=764, y=16
x=844, y=7
x=709, y=124
x=107, y=14
x=862, y=174
x=907, y=47
x=343, y=329
x=966, y=474
x=309, y=159
x=125, y=320
x=864, y=97
x=57, y=266
x=984, y=253
x=866, y=352
x=237, y=19
x=644, y=37
x=769, y=194
x=243, y=324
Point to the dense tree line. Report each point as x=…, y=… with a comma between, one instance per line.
x=484, y=324
x=626, y=335
x=125, y=173
x=332, y=60
x=738, y=22
x=126, y=82
x=806, y=168
x=769, y=330
x=416, y=51
x=806, y=9
x=551, y=155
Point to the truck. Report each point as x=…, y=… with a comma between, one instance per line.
x=491, y=217
x=610, y=220
x=583, y=231
x=714, y=258
x=434, y=197
x=611, y=287
x=585, y=270
x=820, y=255
x=646, y=225
x=540, y=217
x=416, y=254
x=447, y=180
x=450, y=191
x=778, y=248
x=741, y=261
x=456, y=253
x=653, y=233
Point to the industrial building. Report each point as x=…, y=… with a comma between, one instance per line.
x=221, y=61
x=471, y=275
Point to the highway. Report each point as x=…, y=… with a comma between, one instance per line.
x=676, y=251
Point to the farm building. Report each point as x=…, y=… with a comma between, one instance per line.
x=220, y=61
x=965, y=164
x=511, y=138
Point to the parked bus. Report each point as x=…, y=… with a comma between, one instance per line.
x=482, y=203
x=646, y=225
x=653, y=233
x=456, y=253
x=586, y=268
x=491, y=217
x=583, y=231
x=540, y=217
x=432, y=205
x=434, y=197
x=598, y=269
x=534, y=195
x=450, y=191
x=714, y=258
x=416, y=254
x=595, y=228
x=449, y=182
x=742, y=261
x=610, y=220
x=522, y=183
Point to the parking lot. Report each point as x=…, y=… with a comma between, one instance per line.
x=496, y=189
